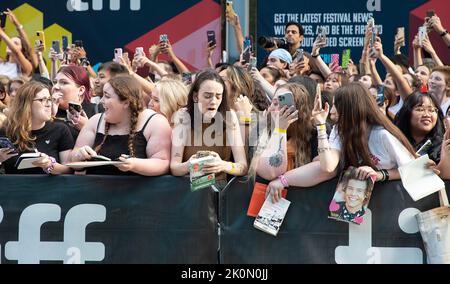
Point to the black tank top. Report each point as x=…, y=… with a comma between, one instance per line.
x=115, y=146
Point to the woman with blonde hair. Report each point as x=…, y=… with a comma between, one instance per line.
x=30, y=129
x=168, y=96
x=138, y=137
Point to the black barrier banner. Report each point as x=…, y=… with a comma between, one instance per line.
x=92, y=219
x=389, y=234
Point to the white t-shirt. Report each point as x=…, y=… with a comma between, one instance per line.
x=9, y=69
x=386, y=150
x=396, y=108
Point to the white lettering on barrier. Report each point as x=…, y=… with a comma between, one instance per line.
x=360, y=250
x=29, y=249
x=97, y=5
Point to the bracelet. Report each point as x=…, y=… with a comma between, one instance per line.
x=315, y=56
x=281, y=131
x=444, y=33
x=50, y=169
x=321, y=127
x=233, y=168
x=284, y=181
x=386, y=175
x=245, y=119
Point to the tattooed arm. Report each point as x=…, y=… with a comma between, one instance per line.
x=273, y=161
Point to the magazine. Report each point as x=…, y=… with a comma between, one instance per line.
x=351, y=198
x=199, y=179
x=259, y=196
x=25, y=161
x=271, y=216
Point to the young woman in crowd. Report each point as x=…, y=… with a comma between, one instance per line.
x=439, y=86
x=168, y=97
x=16, y=62
x=206, y=113
x=138, y=137
x=293, y=141
x=363, y=137
x=72, y=85
x=29, y=128
x=422, y=122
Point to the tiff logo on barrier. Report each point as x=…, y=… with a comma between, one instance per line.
x=29, y=249
x=97, y=5
x=360, y=250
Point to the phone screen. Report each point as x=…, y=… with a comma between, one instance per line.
x=5, y=143
x=211, y=38
x=74, y=108
x=56, y=46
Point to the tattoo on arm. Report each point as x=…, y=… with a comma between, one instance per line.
x=276, y=160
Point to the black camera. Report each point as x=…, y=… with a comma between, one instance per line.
x=269, y=42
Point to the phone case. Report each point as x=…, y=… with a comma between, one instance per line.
x=117, y=54
x=65, y=43
x=56, y=46
x=286, y=99
x=5, y=143
x=41, y=36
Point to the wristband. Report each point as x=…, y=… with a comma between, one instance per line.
x=315, y=56
x=245, y=119
x=284, y=181
x=444, y=33
x=233, y=168
x=281, y=131
x=50, y=169
x=321, y=127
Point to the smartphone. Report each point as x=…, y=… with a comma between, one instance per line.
x=186, y=78
x=2, y=20
x=41, y=37
x=65, y=43
x=401, y=34
x=118, y=53
x=253, y=62
x=78, y=43
x=422, y=34
x=139, y=52
x=229, y=8
x=5, y=143
x=430, y=13
x=163, y=38
x=75, y=107
x=56, y=46
x=371, y=22
x=346, y=55
x=300, y=55
x=211, y=35
x=321, y=34
x=286, y=99
x=373, y=39
x=247, y=50
x=335, y=59
x=380, y=96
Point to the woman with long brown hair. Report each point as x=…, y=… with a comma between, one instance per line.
x=363, y=136
x=30, y=129
x=127, y=132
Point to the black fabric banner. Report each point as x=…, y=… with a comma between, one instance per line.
x=72, y=219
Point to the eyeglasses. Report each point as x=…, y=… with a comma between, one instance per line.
x=45, y=101
x=430, y=110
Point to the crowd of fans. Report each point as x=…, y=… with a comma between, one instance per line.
x=295, y=122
